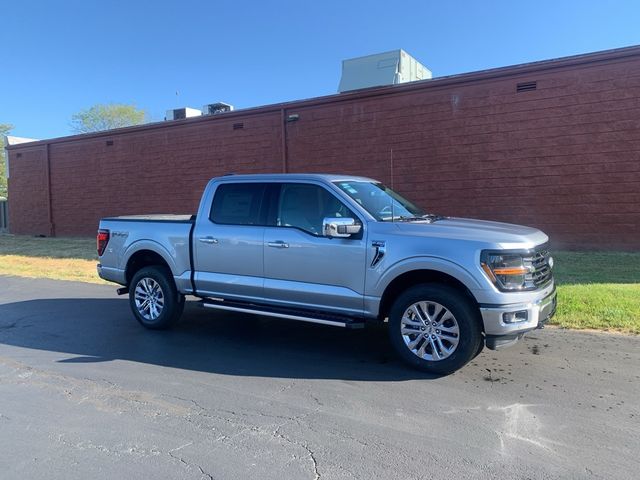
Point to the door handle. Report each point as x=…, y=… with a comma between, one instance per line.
x=278, y=244
x=208, y=240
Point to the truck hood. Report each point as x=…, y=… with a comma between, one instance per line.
x=500, y=235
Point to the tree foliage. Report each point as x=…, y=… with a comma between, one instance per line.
x=4, y=130
x=107, y=116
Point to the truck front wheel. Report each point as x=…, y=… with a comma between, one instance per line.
x=434, y=328
x=154, y=299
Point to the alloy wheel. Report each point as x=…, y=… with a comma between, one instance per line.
x=430, y=330
x=149, y=298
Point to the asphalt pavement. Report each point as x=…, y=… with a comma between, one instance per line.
x=86, y=392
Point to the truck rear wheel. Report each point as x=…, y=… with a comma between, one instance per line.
x=434, y=328
x=154, y=299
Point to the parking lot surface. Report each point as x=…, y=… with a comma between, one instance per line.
x=86, y=392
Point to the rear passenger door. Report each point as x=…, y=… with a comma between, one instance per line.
x=302, y=267
x=228, y=246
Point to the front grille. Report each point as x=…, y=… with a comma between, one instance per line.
x=541, y=274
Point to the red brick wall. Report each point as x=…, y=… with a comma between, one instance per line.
x=564, y=157
x=29, y=191
x=152, y=171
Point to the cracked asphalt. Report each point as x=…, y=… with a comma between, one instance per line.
x=85, y=392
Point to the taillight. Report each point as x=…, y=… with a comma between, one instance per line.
x=101, y=240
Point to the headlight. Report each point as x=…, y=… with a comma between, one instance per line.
x=508, y=271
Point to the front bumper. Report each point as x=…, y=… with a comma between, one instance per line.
x=538, y=311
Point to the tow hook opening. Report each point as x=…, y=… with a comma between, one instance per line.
x=515, y=317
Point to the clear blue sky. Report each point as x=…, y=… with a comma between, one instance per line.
x=60, y=57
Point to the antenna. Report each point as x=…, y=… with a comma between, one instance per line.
x=393, y=216
x=391, y=162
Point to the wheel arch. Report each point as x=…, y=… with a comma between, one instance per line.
x=411, y=278
x=144, y=258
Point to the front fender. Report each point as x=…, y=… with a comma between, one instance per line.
x=437, y=264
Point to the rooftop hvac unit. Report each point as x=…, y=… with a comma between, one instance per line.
x=182, y=113
x=388, y=68
x=216, y=108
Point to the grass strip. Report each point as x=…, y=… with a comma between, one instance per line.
x=596, y=290
x=599, y=306
x=74, y=269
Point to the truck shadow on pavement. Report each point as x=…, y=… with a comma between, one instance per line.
x=101, y=330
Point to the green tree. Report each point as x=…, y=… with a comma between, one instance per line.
x=107, y=116
x=4, y=130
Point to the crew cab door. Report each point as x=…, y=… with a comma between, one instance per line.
x=302, y=267
x=228, y=245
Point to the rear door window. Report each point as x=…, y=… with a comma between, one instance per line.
x=239, y=204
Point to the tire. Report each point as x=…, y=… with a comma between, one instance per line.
x=446, y=325
x=154, y=299
x=480, y=347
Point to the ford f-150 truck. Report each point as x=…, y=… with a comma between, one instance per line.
x=336, y=250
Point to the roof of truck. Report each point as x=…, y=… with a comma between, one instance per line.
x=284, y=177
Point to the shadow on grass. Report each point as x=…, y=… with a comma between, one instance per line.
x=572, y=268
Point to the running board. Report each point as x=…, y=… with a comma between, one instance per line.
x=272, y=312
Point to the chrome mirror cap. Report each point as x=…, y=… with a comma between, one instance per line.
x=340, y=227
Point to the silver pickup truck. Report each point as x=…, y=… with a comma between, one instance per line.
x=337, y=250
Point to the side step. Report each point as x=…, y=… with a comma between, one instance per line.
x=268, y=311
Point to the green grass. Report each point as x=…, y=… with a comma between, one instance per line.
x=55, y=258
x=81, y=248
x=596, y=267
x=596, y=290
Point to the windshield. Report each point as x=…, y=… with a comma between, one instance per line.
x=381, y=202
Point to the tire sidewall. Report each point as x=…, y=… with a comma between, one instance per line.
x=173, y=301
x=470, y=333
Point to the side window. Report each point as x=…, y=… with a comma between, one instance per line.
x=238, y=204
x=305, y=206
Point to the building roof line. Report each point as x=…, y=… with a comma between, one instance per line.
x=434, y=83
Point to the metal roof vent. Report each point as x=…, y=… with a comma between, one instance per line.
x=216, y=108
x=388, y=68
x=182, y=113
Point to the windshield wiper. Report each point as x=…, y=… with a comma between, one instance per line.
x=400, y=218
x=432, y=217
x=428, y=217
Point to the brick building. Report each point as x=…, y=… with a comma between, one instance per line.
x=552, y=144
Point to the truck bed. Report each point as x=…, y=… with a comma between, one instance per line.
x=159, y=217
x=167, y=235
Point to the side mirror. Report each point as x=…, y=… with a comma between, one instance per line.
x=340, y=227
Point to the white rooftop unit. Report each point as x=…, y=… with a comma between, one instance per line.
x=10, y=140
x=388, y=68
x=216, y=108
x=182, y=113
